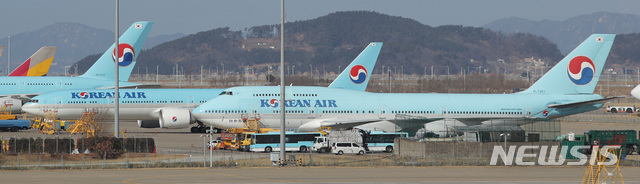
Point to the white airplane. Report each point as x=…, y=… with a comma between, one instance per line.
x=170, y=108
x=16, y=89
x=565, y=90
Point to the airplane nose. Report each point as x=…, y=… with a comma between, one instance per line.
x=636, y=92
x=32, y=109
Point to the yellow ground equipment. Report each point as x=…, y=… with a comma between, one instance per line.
x=85, y=125
x=600, y=173
x=240, y=137
x=5, y=111
x=48, y=124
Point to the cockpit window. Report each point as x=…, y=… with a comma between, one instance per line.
x=33, y=101
x=226, y=93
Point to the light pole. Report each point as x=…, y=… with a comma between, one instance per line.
x=311, y=70
x=222, y=69
x=447, y=72
x=201, y=70
x=204, y=149
x=505, y=140
x=431, y=72
x=339, y=67
x=9, y=56
x=157, y=73
x=425, y=72
x=382, y=71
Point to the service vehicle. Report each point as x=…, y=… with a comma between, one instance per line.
x=340, y=148
x=617, y=109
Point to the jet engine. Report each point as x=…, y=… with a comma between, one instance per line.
x=16, y=104
x=149, y=123
x=175, y=118
x=443, y=128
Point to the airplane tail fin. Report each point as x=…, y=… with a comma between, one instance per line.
x=579, y=71
x=38, y=64
x=130, y=45
x=356, y=76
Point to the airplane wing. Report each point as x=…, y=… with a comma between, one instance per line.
x=133, y=86
x=23, y=97
x=588, y=102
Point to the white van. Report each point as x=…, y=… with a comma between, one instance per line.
x=340, y=148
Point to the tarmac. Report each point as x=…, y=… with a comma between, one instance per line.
x=494, y=174
x=181, y=140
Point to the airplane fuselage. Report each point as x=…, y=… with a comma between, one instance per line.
x=135, y=104
x=37, y=85
x=308, y=104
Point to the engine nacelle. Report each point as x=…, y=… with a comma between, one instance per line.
x=149, y=123
x=175, y=118
x=444, y=128
x=16, y=104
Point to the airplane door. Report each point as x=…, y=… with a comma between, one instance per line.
x=58, y=103
x=59, y=84
x=313, y=114
x=21, y=84
x=382, y=112
x=190, y=101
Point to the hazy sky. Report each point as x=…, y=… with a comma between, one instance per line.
x=191, y=16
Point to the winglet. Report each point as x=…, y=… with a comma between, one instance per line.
x=38, y=64
x=356, y=76
x=579, y=71
x=130, y=45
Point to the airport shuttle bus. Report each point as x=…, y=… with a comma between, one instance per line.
x=383, y=141
x=294, y=141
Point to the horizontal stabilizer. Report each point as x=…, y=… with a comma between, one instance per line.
x=582, y=103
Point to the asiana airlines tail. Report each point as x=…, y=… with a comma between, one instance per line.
x=565, y=90
x=171, y=108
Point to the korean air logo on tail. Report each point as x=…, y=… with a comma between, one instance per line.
x=581, y=70
x=84, y=95
x=126, y=53
x=358, y=74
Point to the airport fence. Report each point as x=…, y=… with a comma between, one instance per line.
x=406, y=154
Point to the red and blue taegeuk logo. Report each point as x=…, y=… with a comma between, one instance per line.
x=84, y=95
x=581, y=70
x=274, y=102
x=358, y=74
x=125, y=55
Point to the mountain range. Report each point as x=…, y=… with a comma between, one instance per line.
x=74, y=41
x=327, y=43
x=569, y=33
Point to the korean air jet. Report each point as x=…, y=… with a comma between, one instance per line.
x=565, y=90
x=17, y=90
x=171, y=108
x=38, y=64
